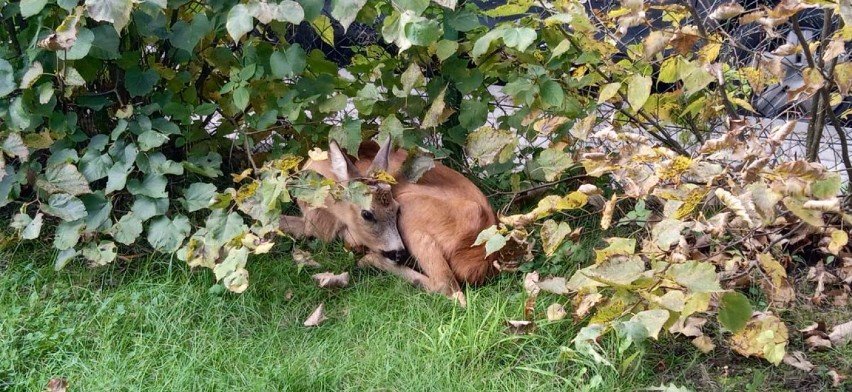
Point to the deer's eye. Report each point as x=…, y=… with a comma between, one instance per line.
x=368, y=216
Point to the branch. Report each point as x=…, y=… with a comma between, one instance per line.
x=720, y=87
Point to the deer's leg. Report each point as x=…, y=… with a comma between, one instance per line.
x=430, y=259
x=411, y=276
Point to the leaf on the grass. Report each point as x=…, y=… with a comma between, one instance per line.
x=777, y=287
x=764, y=336
x=653, y=320
x=583, y=304
x=734, y=311
x=531, y=283
x=329, y=280
x=557, y=285
x=552, y=235
x=690, y=327
x=304, y=259
x=841, y=334
x=520, y=327
x=836, y=378
x=817, y=343
x=735, y=205
x=704, y=344
x=667, y=232
x=556, y=312
x=797, y=360
x=57, y=385
x=317, y=317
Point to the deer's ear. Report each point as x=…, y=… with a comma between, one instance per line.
x=380, y=162
x=341, y=166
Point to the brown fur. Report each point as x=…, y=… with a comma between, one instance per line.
x=439, y=219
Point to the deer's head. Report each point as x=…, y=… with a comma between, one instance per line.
x=375, y=227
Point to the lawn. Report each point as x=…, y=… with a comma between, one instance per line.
x=154, y=325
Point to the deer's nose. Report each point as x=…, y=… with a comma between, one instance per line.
x=397, y=256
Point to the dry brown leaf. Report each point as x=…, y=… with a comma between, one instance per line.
x=727, y=11
x=841, y=334
x=557, y=285
x=520, y=327
x=836, y=378
x=655, y=42
x=609, y=209
x=330, y=280
x=530, y=280
x=556, y=312
x=589, y=189
x=304, y=258
x=704, y=344
x=690, y=327
x=583, y=304
x=317, y=317
x=833, y=49
x=797, y=360
x=57, y=385
x=817, y=343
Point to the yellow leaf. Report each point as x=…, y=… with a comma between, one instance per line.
x=608, y=91
x=609, y=209
x=704, y=344
x=317, y=154
x=839, y=239
x=764, y=336
x=617, y=246
x=322, y=25
x=709, y=52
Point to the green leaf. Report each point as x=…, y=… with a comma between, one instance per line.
x=422, y=32
x=239, y=22
x=127, y=229
x=334, y=104
x=415, y=6
x=827, y=187
x=473, y=113
x=81, y=47
x=483, y=43
x=151, y=139
x=186, y=36
x=7, y=78
x=552, y=235
x=511, y=7
x=446, y=48
x=549, y=164
x=94, y=165
x=101, y=254
x=391, y=127
x=608, y=91
x=167, y=235
x=31, y=228
x=235, y=260
x=696, y=276
x=734, y=311
x=463, y=20
x=519, y=38
x=65, y=207
x=411, y=78
x=31, y=7
x=63, y=258
x=492, y=239
x=347, y=135
x=653, y=320
x=116, y=12
x=68, y=234
x=20, y=116
x=152, y=185
x=289, y=63
x=64, y=178
x=312, y=9
x=486, y=145
x=14, y=146
x=223, y=227
x=551, y=94
x=241, y=98
x=322, y=25
x=98, y=209
x=146, y=208
x=415, y=167
x=31, y=76
x=345, y=11
x=638, y=91
x=140, y=83
x=198, y=196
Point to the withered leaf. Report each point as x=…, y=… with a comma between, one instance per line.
x=57, y=385
x=556, y=312
x=317, y=317
x=817, y=343
x=520, y=327
x=704, y=344
x=330, y=280
x=304, y=259
x=797, y=360
x=841, y=334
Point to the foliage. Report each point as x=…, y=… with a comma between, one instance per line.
x=122, y=122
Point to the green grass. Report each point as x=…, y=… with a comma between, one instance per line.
x=154, y=325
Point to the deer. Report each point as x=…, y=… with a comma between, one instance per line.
x=435, y=220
